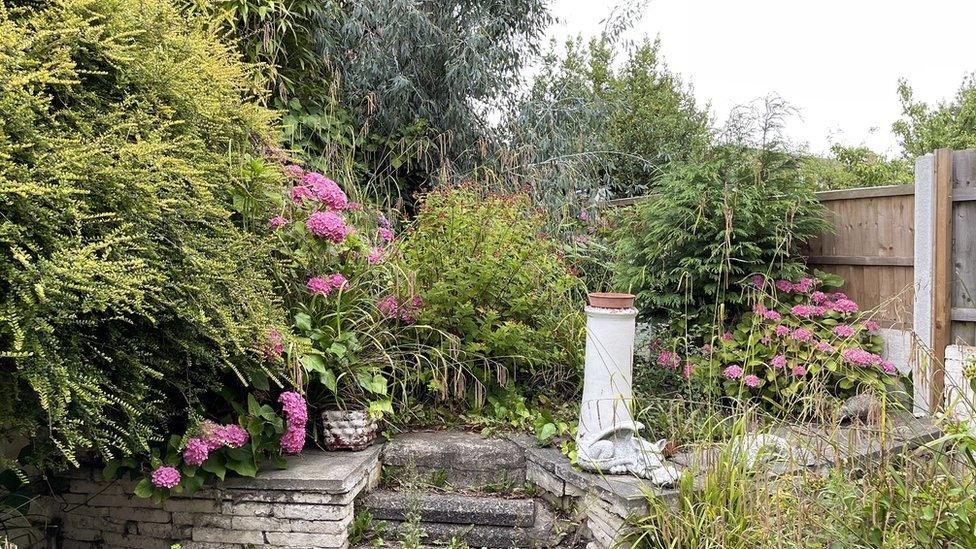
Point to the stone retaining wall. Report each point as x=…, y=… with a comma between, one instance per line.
x=309, y=504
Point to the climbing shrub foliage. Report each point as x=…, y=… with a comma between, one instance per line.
x=128, y=287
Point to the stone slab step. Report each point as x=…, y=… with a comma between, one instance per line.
x=462, y=460
x=543, y=533
x=450, y=508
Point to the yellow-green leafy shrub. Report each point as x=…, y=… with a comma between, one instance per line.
x=127, y=287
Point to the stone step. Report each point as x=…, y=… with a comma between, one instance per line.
x=450, y=508
x=542, y=533
x=458, y=459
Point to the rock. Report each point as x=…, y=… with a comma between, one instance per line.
x=864, y=406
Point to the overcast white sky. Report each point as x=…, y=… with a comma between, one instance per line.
x=837, y=61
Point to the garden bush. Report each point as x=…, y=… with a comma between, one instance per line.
x=489, y=276
x=130, y=287
x=687, y=252
x=800, y=345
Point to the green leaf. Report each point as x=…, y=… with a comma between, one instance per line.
x=144, y=489
x=546, y=432
x=215, y=466
x=328, y=378
x=303, y=321
x=245, y=468
x=314, y=363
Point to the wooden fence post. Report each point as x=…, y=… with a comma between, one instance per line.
x=941, y=272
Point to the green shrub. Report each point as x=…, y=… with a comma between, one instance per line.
x=737, y=211
x=489, y=276
x=128, y=289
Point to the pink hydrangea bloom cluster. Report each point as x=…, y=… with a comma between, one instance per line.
x=801, y=334
x=733, y=371
x=668, y=359
x=405, y=311
x=802, y=287
x=325, y=285
x=385, y=234
x=165, y=477
x=779, y=361
x=843, y=330
x=328, y=225
x=326, y=191
x=808, y=311
x=861, y=357
x=799, y=371
x=213, y=436
x=296, y=417
x=751, y=381
x=871, y=326
x=277, y=222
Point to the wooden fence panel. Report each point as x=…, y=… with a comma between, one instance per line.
x=963, y=256
x=872, y=248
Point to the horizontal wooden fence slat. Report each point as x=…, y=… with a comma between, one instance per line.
x=866, y=192
x=875, y=260
x=963, y=314
x=963, y=195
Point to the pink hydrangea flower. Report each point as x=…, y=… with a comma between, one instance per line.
x=294, y=407
x=210, y=434
x=801, y=311
x=706, y=348
x=759, y=309
x=338, y=282
x=824, y=347
x=388, y=306
x=871, y=326
x=583, y=216
x=772, y=315
x=326, y=190
x=385, y=234
x=293, y=441
x=837, y=296
x=319, y=285
x=300, y=193
x=818, y=297
x=817, y=310
x=382, y=221
x=844, y=306
x=799, y=371
x=277, y=222
x=888, y=367
x=784, y=286
x=804, y=285
x=668, y=359
x=727, y=336
x=733, y=372
x=861, y=357
x=843, y=330
x=196, y=452
x=779, y=361
x=165, y=477
x=688, y=369
x=233, y=435
x=327, y=225
x=801, y=334
x=296, y=415
x=751, y=381
x=758, y=281
x=782, y=330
